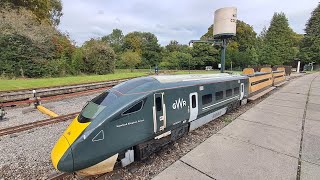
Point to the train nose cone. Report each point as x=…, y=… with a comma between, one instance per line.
x=61, y=155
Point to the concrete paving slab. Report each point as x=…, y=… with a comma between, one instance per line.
x=309, y=171
x=180, y=170
x=300, y=90
x=314, y=115
x=312, y=127
x=269, y=137
x=285, y=103
x=274, y=119
x=310, y=148
x=313, y=111
x=279, y=110
x=289, y=97
x=314, y=99
x=227, y=158
x=313, y=107
x=315, y=91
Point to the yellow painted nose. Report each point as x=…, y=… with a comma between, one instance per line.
x=66, y=140
x=59, y=150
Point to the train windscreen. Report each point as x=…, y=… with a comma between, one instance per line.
x=95, y=106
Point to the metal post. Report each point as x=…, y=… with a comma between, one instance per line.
x=231, y=65
x=223, y=54
x=298, y=67
x=189, y=65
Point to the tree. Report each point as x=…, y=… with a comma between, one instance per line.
x=173, y=46
x=245, y=36
x=278, y=42
x=40, y=45
x=238, y=46
x=176, y=60
x=19, y=54
x=145, y=44
x=130, y=59
x=310, y=45
x=47, y=10
x=77, y=61
x=115, y=40
x=99, y=58
x=204, y=55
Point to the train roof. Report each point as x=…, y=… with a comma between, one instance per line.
x=189, y=77
x=154, y=83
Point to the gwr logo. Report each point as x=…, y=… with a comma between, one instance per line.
x=178, y=104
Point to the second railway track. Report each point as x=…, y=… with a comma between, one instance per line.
x=28, y=126
x=25, y=96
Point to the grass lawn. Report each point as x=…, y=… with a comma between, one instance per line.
x=16, y=84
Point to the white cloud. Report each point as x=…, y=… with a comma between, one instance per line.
x=181, y=20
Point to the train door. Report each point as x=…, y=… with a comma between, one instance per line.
x=193, y=99
x=159, y=113
x=241, y=91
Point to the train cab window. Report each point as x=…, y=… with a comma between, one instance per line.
x=206, y=99
x=193, y=99
x=158, y=104
x=219, y=95
x=229, y=92
x=134, y=108
x=236, y=90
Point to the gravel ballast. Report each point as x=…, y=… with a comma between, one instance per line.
x=23, y=115
x=26, y=155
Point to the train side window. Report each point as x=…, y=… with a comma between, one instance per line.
x=206, y=99
x=194, y=103
x=134, y=108
x=229, y=92
x=158, y=103
x=219, y=95
x=236, y=90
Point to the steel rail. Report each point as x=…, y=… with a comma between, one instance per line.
x=28, y=126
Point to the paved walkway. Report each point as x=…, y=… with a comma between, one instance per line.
x=263, y=143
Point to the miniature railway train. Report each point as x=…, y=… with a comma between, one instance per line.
x=136, y=118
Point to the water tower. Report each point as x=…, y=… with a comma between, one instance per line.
x=224, y=27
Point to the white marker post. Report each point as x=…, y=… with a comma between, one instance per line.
x=298, y=67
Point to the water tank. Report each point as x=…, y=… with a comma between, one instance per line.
x=225, y=22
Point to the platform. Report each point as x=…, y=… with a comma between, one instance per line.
x=264, y=142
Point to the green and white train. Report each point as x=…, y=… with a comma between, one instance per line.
x=136, y=118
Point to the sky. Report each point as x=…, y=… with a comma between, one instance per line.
x=181, y=20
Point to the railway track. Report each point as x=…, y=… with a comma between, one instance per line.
x=28, y=126
x=15, y=98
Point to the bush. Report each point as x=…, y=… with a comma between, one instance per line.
x=99, y=58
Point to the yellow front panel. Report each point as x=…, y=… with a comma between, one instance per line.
x=74, y=130
x=58, y=150
x=66, y=140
